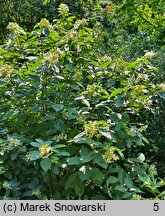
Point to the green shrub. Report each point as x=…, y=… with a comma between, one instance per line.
x=69, y=115
x=30, y=12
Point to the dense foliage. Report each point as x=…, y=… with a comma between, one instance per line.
x=28, y=12
x=82, y=101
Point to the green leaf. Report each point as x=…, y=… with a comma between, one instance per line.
x=62, y=153
x=126, y=195
x=59, y=146
x=120, y=188
x=79, y=187
x=98, y=159
x=99, y=197
x=138, y=140
x=112, y=180
x=118, y=91
x=134, y=160
x=57, y=107
x=8, y=175
x=55, y=170
x=14, y=156
x=59, y=77
x=40, y=141
x=35, y=144
x=87, y=158
x=45, y=164
x=145, y=140
x=3, y=132
x=161, y=94
x=27, y=193
x=86, y=174
x=121, y=175
x=73, y=161
x=34, y=155
x=71, y=181
x=46, y=32
x=106, y=134
x=86, y=155
x=128, y=181
x=60, y=125
x=95, y=63
x=79, y=135
x=84, y=151
x=97, y=175
x=84, y=141
x=86, y=102
x=113, y=170
x=119, y=101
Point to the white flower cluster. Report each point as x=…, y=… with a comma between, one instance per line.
x=63, y=9
x=149, y=55
x=16, y=28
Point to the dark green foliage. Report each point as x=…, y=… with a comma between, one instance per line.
x=75, y=118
